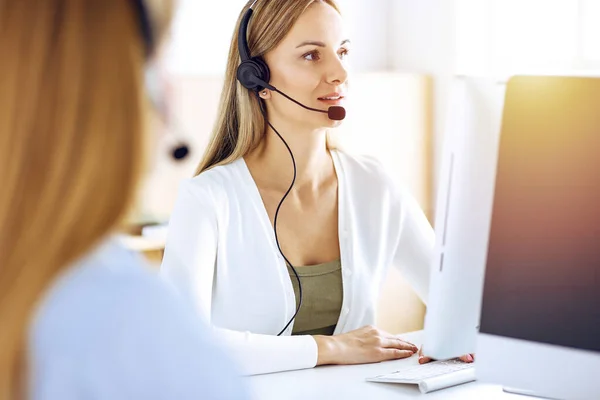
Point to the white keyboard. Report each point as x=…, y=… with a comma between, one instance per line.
x=419, y=373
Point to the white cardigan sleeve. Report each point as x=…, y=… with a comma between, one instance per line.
x=415, y=247
x=189, y=264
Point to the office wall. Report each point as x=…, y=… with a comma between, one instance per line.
x=423, y=41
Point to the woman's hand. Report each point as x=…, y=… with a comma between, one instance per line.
x=469, y=358
x=361, y=346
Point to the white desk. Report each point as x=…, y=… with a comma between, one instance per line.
x=348, y=382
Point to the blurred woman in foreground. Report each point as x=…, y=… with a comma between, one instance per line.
x=80, y=316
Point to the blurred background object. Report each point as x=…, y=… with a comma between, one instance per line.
x=405, y=57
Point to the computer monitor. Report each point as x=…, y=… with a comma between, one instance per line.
x=464, y=203
x=540, y=314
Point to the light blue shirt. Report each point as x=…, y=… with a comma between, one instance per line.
x=109, y=328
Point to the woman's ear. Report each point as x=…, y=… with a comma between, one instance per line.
x=265, y=94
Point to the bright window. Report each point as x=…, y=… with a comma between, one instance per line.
x=502, y=37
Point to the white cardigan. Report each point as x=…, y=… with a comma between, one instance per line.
x=222, y=255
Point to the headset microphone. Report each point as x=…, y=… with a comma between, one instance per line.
x=180, y=152
x=336, y=113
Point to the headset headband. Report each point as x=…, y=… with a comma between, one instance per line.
x=145, y=26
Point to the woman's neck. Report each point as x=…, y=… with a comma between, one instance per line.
x=272, y=165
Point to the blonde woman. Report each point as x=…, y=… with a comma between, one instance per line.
x=80, y=317
x=342, y=225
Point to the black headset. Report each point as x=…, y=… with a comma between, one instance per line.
x=145, y=26
x=253, y=72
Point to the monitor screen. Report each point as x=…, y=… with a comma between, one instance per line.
x=542, y=279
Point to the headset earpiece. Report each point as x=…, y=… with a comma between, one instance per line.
x=253, y=73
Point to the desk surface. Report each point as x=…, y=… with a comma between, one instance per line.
x=348, y=382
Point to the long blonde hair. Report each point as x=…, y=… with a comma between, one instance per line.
x=240, y=126
x=71, y=147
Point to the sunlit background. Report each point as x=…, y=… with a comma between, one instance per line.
x=406, y=54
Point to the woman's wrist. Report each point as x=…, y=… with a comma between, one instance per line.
x=326, y=349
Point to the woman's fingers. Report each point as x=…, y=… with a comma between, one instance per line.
x=395, y=354
x=468, y=358
x=395, y=343
x=396, y=337
x=423, y=359
x=412, y=344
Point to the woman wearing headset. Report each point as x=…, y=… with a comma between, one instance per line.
x=343, y=222
x=80, y=317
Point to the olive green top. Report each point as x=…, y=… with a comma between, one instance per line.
x=322, y=296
